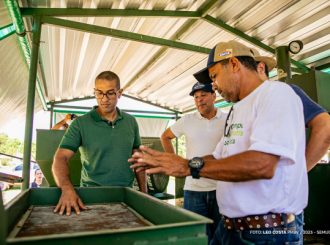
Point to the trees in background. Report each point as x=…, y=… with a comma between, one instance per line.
x=13, y=147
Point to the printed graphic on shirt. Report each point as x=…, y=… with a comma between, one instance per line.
x=235, y=130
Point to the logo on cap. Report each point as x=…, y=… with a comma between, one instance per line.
x=225, y=53
x=199, y=86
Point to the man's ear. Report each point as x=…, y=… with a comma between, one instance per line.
x=261, y=67
x=120, y=92
x=235, y=64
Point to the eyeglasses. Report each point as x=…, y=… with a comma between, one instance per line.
x=109, y=94
x=227, y=126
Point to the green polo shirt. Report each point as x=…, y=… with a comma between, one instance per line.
x=104, y=148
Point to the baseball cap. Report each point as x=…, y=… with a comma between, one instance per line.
x=269, y=61
x=222, y=51
x=207, y=87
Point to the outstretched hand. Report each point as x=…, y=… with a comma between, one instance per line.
x=69, y=199
x=159, y=162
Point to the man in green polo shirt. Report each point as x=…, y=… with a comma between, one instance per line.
x=106, y=138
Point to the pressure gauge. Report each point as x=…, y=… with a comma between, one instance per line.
x=295, y=46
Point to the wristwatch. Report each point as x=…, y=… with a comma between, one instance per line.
x=195, y=164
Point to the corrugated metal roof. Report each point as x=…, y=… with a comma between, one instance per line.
x=14, y=75
x=71, y=59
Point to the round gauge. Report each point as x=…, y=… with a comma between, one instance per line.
x=295, y=46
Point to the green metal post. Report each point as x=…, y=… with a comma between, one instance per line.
x=30, y=103
x=54, y=118
x=283, y=64
x=179, y=182
x=176, y=138
x=51, y=115
x=3, y=222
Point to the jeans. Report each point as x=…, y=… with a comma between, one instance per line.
x=291, y=233
x=203, y=203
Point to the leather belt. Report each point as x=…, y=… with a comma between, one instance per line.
x=261, y=221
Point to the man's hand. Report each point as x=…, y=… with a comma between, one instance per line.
x=69, y=199
x=67, y=118
x=159, y=162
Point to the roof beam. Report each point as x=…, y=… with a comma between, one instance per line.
x=123, y=34
x=6, y=31
x=54, y=103
x=150, y=103
x=82, y=12
x=132, y=111
x=58, y=103
x=203, y=10
x=202, y=13
x=323, y=67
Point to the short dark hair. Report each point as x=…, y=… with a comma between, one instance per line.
x=110, y=76
x=247, y=61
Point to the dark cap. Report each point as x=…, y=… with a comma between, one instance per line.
x=207, y=87
x=222, y=51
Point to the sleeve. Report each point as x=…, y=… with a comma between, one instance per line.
x=72, y=138
x=137, y=138
x=311, y=108
x=178, y=127
x=278, y=125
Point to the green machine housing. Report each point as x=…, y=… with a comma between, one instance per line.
x=46, y=146
x=169, y=224
x=49, y=140
x=317, y=214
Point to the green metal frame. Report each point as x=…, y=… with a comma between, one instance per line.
x=124, y=95
x=30, y=102
x=136, y=111
x=7, y=31
x=133, y=113
x=200, y=14
x=283, y=64
x=4, y=225
x=150, y=103
x=123, y=34
x=82, y=12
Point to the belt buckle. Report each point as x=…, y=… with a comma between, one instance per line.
x=290, y=218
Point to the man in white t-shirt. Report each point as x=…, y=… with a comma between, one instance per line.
x=203, y=130
x=260, y=162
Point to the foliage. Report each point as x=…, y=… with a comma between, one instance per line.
x=12, y=147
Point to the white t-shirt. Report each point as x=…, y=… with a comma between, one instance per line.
x=270, y=120
x=202, y=136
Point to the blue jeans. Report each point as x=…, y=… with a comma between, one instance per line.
x=291, y=233
x=203, y=203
